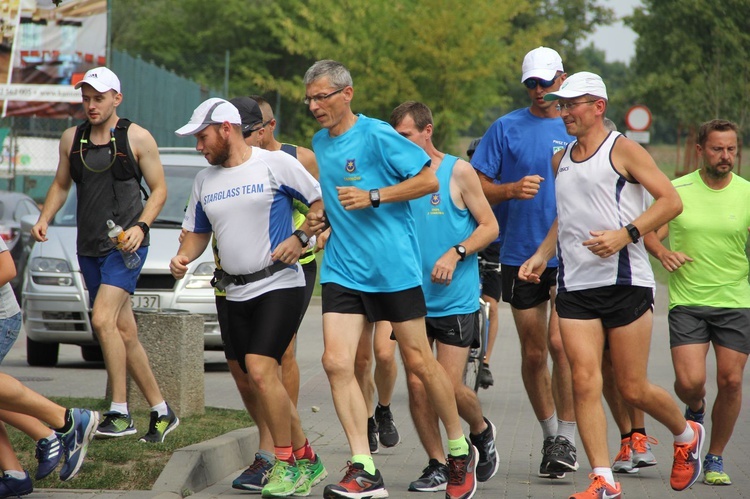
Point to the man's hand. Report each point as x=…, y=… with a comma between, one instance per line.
x=178, y=266
x=39, y=231
x=316, y=221
x=673, y=260
x=606, y=243
x=352, y=198
x=442, y=272
x=532, y=269
x=288, y=251
x=527, y=187
x=134, y=236
x=323, y=237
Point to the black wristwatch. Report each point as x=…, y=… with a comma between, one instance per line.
x=302, y=237
x=634, y=233
x=461, y=250
x=144, y=227
x=375, y=197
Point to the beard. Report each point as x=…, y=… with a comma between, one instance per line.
x=713, y=170
x=221, y=154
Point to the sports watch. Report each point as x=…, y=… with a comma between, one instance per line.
x=461, y=250
x=634, y=233
x=144, y=227
x=375, y=197
x=302, y=237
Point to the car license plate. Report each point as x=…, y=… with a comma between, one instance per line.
x=144, y=301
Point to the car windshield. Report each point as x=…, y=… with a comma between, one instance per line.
x=179, y=185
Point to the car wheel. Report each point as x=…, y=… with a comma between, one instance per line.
x=92, y=353
x=41, y=354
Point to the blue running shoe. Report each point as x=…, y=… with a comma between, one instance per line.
x=713, y=471
x=48, y=455
x=15, y=487
x=696, y=416
x=76, y=441
x=255, y=477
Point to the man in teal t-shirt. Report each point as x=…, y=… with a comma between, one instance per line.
x=709, y=294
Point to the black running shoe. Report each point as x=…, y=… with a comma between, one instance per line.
x=489, y=459
x=372, y=435
x=389, y=436
x=562, y=457
x=485, y=376
x=160, y=426
x=114, y=425
x=434, y=477
x=544, y=472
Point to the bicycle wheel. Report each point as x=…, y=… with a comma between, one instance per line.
x=476, y=355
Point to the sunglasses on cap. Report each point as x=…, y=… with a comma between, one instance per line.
x=531, y=83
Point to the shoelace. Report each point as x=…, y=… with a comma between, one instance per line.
x=559, y=448
x=256, y=466
x=598, y=482
x=714, y=464
x=456, y=469
x=350, y=472
x=681, y=456
x=640, y=442
x=624, y=454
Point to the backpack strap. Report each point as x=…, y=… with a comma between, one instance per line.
x=124, y=154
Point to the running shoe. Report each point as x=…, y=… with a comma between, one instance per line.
x=696, y=416
x=389, y=436
x=15, y=487
x=642, y=455
x=282, y=480
x=434, y=477
x=372, y=435
x=624, y=459
x=115, y=425
x=544, y=470
x=255, y=476
x=357, y=484
x=160, y=426
x=686, y=467
x=313, y=472
x=713, y=471
x=462, y=480
x=489, y=459
x=485, y=376
x=562, y=456
x=48, y=454
x=599, y=489
x=75, y=442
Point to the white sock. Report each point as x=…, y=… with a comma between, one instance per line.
x=549, y=426
x=686, y=436
x=567, y=429
x=161, y=409
x=606, y=473
x=122, y=408
x=52, y=436
x=18, y=475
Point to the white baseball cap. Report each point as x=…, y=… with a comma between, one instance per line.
x=542, y=63
x=213, y=111
x=578, y=84
x=102, y=79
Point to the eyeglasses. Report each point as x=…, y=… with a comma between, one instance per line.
x=319, y=98
x=570, y=105
x=248, y=133
x=531, y=83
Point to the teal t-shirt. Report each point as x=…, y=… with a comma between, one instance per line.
x=712, y=230
x=372, y=249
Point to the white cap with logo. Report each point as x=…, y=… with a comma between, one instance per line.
x=578, y=84
x=213, y=111
x=542, y=63
x=101, y=79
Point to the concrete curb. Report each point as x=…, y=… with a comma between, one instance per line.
x=196, y=467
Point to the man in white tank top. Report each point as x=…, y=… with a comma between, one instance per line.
x=605, y=282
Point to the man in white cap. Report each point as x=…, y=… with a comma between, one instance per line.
x=605, y=285
x=514, y=162
x=259, y=270
x=108, y=155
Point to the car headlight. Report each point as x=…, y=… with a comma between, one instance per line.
x=201, y=277
x=60, y=270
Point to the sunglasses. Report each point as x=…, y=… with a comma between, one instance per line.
x=532, y=83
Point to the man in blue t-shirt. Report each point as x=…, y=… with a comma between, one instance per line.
x=514, y=162
x=371, y=269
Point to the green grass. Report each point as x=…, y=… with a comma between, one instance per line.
x=126, y=463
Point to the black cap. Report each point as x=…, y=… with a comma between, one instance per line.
x=249, y=112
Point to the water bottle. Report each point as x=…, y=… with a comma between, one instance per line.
x=132, y=260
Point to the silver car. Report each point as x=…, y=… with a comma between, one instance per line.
x=55, y=300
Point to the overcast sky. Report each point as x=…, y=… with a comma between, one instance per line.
x=617, y=41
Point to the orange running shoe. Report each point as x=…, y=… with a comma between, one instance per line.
x=686, y=467
x=599, y=489
x=624, y=459
x=462, y=480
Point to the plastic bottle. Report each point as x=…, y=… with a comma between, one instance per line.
x=132, y=260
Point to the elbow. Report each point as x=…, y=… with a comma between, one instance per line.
x=675, y=205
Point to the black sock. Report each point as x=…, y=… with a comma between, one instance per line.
x=642, y=431
x=68, y=422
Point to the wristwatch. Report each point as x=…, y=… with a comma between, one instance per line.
x=144, y=227
x=375, y=197
x=302, y=237
x=461, y=250
x=634, y=233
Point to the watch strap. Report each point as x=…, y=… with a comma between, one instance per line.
x=144, y=227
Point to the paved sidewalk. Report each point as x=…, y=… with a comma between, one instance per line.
x=519, y=435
